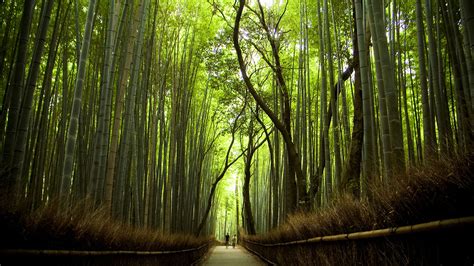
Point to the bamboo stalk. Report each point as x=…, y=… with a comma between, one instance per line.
x=391, y=231
x=17, y=252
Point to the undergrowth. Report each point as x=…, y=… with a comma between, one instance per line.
x=47, y=228
x=441, y=189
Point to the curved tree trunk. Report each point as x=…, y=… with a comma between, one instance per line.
x=227, y=165
x=296, y=191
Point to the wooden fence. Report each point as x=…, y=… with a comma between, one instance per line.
x=263, y=250
x=117, y=257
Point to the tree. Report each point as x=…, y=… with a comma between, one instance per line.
x=252, y=147
x=227, y=164
x=76, y=107
x=351, y=172
x=297, y=188
x=17, y=89
x=395, y=153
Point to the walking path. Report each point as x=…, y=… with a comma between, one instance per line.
x=232, y=256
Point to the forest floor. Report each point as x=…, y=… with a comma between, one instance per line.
x=232, y=256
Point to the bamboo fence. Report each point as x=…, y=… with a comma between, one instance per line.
x=32, y=252
x=386, y=232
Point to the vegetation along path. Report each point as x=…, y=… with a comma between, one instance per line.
x=232, y=256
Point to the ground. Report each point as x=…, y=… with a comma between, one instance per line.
x=221, y=255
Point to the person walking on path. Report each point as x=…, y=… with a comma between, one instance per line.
x=227, y=240
x=234, y=241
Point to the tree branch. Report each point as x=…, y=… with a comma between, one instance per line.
x=227, y=165
x=278, y=124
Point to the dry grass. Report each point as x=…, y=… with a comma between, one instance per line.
x=442, y=190
x=47, y=228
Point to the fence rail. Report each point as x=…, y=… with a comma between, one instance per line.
x=392, y=231
x=16, y=252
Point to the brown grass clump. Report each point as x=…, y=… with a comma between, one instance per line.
x=444, y=189
x=49, y=229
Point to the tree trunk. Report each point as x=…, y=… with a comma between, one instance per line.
x=227, y=165
x=76, y=107
x=391, y=95
x=428, y=128
x=119, y=103
x=295, y=177
x=351, y=172
x=437, y=85
x=249, y=218
x=17, y=89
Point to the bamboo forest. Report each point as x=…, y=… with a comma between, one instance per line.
x=237, y=132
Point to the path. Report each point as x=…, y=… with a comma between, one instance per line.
x=232, y=256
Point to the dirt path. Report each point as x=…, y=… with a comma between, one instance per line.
x=232, y=256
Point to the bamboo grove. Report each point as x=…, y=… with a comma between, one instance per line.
x=197, y=117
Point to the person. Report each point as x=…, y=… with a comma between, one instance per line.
x=226, y=240
x=234, y=241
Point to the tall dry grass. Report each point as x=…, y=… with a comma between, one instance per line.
x=47, y=228
x=440, y=190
